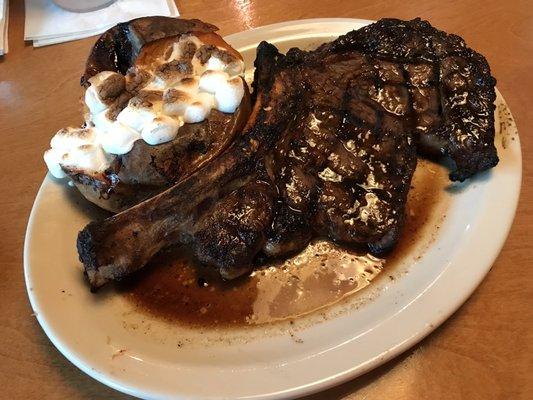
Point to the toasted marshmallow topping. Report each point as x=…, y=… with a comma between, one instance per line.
x=175, y=102
x=183, y=86
x=185, y=48
x=89, y=157
x=200, y=109
x=161, y=129
x=119, y=139
x=52, y=158
x=228, y=96
x=70, y=138
x=211, y=81
x=101, y=121
x=136, y=117
x=215, y=64
x=105, y=88
x=76, y=149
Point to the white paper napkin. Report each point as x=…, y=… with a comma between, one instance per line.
x=47, y=23
x=4, y=13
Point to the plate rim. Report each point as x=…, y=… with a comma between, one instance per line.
x=491, y=254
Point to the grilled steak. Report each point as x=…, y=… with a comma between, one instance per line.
x=451, y=87
x=329, y=151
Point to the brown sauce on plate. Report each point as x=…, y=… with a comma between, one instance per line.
x=175, y=288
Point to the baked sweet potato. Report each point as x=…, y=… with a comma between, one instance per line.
x=148, y=169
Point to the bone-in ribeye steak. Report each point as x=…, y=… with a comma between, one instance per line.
x=329, y=150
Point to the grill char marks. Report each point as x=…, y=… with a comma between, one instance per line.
x=344, y=168
x=451, y=85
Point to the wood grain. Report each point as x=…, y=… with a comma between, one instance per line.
x=483, y=352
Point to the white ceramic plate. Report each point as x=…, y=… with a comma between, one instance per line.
x=106, y=338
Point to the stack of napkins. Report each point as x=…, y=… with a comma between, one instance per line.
x=3, y=26
x=46, y=23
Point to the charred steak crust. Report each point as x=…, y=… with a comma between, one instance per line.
x=459, y=82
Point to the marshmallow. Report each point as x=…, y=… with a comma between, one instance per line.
x=69, y=138
x=199, y=110
x=150, y=100
x=95, y=104
x=215, y=64
x=136, y=117
x=88, y=158
x=167, y=80
x=119, y=139
x=229, y=96
x=172, y=72
x=175, y=53
x=156, y=84
x=210, y=81
x=180, y=49
x=235, y=68
x=198, y=67
x=161, y=130
x=137, y=78
x=52, y=158
x=189, y=85
x=105, y=87
x=206, y=99
x=74, y=148
x=194, y=113
x=175, y=102
x=101, y=121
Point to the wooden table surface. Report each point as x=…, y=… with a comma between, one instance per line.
x=484, y=351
